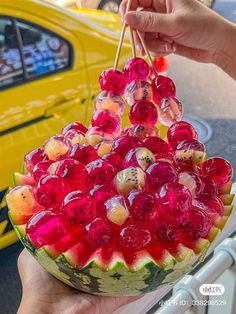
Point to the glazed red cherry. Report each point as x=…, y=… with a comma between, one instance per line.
x=143, y=112
x=195, y=224
x=180, y=131
x=134, y=237
x=75, y=126
x=219, y=169
x=158, y=146
x=136, y=69
x=100, y=194
x=122, y=145
x=162, y=87
x=78, y=207
x=41, y=169
x=174, y=198
x=83, y=153
x=115, y=160
x=99, y=232
x=141, y=131
x=112, y=80
x=50, y=191
x=73, y=172
x=142, y=206
x=99, y=172
x=210, y=205
x=33, y=158
x=159, y=173
x=106, y=121
x=45, y=228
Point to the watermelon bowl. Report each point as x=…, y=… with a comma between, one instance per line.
x=112, y=211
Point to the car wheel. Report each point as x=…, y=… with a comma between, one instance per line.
x=110, y=5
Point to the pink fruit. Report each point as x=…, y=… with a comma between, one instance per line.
x=158, y=146
x=33, y=158
x=138, y=90
x=190, y=152
x=170, y=111
x=73, y=172
x=99, y=172
x=75, y=126
x=139, y=157
x=141, y=131
x=195, y=224
x=134, y=237
x=112, y=80
x=41, y=169
x=122, y=145
x=99, y=232
x=107, y=100
x=106, y=121
x=100, y=194
x=45, y=228
x=115, y=160
x=83, y=153
x=161, y=64
x=136, y=69
x=209, y=186
x=180, y=131
x=219, y=169
x=160, y=173
x=192, y=181
x=143, y=112
x=174, y=198
x=162, y=87
x=142, y=206
x=167, y=230
x=78, y=207
x=50, y=191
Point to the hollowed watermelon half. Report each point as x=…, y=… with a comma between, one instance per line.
x=112, y=212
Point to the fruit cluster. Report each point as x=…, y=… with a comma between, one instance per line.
x=128, y=190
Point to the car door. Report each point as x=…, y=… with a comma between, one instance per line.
x=42, y=88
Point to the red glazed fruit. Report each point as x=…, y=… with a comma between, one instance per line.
x=33, y=158
x=99, y=232
x=180, y=131
x=41, y=169
x=83, y=153
x=142, y=206
x=219, y=169
x=112, y=80
x=106, y=121
x=50, y=191
x=167, y=230
x=174, y=198
x=122, y=145
x=139, y=157
x=162, y=87
x=75, y=126
x=190, y=152
x=136, y=69
x=99, y=172
x=159, y=173
x=143, y=112
x=45, y=228
x=78, y=208
x=158, y=146
x=134, y=237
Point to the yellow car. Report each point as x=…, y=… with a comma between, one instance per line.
x=50, y=60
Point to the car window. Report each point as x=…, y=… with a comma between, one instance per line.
x=43, y=51
x=11, y=70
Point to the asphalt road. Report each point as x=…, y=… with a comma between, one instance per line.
x=207, y=93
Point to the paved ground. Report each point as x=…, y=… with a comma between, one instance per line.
x=206, y=92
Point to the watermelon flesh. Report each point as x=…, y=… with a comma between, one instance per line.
x=114, y=212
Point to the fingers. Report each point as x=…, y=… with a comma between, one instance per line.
x=199, y=55
x=150, y=22
x=134, y=5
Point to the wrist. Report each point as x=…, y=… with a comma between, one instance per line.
x=225, y=55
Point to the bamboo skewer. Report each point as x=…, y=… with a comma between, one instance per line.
x=122, y=35
x=147, y=52
x=133, y=42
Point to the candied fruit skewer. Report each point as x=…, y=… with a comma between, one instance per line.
x=133, y=42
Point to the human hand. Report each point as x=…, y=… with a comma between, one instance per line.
x=185, y=27
x=42, y=293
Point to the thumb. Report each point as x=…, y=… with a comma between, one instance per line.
x=150, y=22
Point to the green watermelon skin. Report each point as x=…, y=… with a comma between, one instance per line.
x=118, y=280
